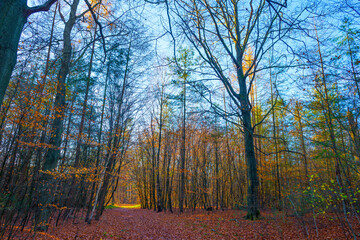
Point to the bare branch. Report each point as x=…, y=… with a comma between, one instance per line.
x=61, y=15
x=156, y=2
x=41, y=8
x=98, y=23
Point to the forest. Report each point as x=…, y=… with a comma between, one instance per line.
x=219, y=119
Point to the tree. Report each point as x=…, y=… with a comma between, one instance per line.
x=182, y=70
x=53, y=153
x=14, y=14
x=221, y=32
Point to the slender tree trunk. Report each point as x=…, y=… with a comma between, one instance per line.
x=182, y=153
x=356, y=80
x=355, y=134
x=158, y=186
x=69, y=123
x=302, y=141
x=146, y=200
x=164, y=172
x=329, y=117
x=98, y=192
x=113, y=142
x=81, y=127
x=275, y=136
x=153, y=167
x=97, y=164
x=217, y=184
x=168, y=186
x=329, y=122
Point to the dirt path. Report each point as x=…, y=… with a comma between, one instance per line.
x=146, y=224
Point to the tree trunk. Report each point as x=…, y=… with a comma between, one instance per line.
x=253, y=182
x=355, y=136
x=275, y=136
x=329, y=122
x=12, y=20
x=113, y=143
x=182, y=153
x=13, y=16
x=217, y=184
x=248, y=132
x=52, y=155
x=302, y=140
x=81, y=127
x=87, y=219
x=158, y=186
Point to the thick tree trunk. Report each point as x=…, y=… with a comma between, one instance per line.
x=250, y=158
x=12, y=20
x=52, y=155
x=248, y=132
x=253, y=181
x=13, y=16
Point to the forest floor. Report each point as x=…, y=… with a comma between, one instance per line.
x=131, y=223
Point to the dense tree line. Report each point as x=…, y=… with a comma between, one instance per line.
x=67, y=117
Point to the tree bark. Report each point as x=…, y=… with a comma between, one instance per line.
x=182, y=153
x=355, y=136
x=52, y=155
x=275, y=136
x=12, y=20
x=302, y=141
x=248, y=132
x=158, y=186
x=79, y=138
x=114, y=141
x=13, y=16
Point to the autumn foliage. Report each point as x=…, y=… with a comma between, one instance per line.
x=246, y=127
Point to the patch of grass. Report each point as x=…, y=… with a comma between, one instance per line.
x=111, y=206
x=128, y=206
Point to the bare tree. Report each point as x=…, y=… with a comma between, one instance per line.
x=237, y=32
